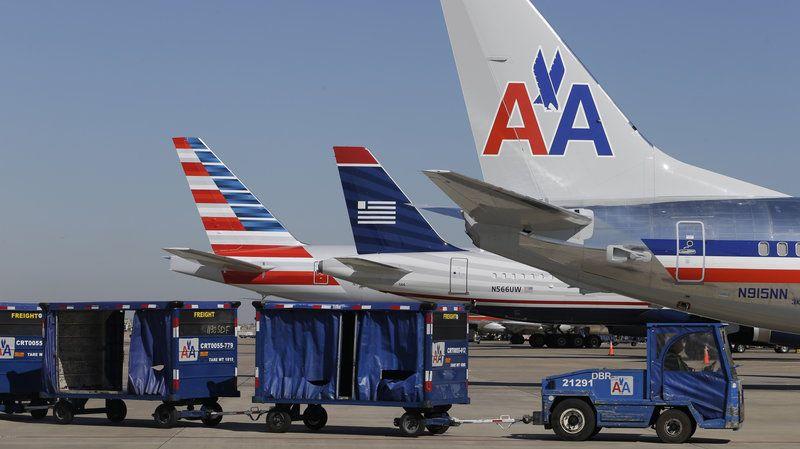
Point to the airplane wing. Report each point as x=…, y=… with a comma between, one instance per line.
x=222, y=262
x=494, y=205
x=363, y=265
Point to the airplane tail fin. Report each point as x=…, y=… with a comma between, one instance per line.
x=545, y=128
x=382, y=218
x=236, y=222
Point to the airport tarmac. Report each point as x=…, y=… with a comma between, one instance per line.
x=504, y=380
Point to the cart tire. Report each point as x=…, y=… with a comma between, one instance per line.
x=278, y=421
x=41, y=413
x=594, y=341
x=315, y=417
x=411, y=424
x=674, y=426
x=573, y=420
x=116, y=410
x=596, y=431
x=63, y=412
x=781, y=349
x=166, y=416
x=576, y=341
x=516, y=339
x=211, y=421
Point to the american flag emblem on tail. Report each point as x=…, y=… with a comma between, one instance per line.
x=377, y=212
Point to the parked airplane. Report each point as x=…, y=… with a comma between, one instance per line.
x=400, y=253
x=250, y=248
x=570, y=186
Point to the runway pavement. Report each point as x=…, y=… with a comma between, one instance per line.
x=504, y=380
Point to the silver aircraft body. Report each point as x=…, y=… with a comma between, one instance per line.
x=570, y=185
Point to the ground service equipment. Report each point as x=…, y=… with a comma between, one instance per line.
x=21, y=359
x=690, y=381
x=183, y=354
x=409, y=355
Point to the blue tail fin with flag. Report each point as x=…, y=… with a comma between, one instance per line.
x=382, y=218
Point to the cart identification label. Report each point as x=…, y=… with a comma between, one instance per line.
x=7, y=348
x=437, y=352
x=188, y=349
x=621, y=385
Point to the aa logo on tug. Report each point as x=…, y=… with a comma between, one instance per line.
x=517, y=97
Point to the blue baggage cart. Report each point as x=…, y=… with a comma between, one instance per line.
x=690, y=381
x=21, y=359
x=409, y=355
x=181, y=353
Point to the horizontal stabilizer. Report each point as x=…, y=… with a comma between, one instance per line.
x=494, y=205
x=453, y=212
x=363, y=265
x=222, y=262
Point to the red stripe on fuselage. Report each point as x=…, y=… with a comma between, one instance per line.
x=353, y=155
x=208, y=197
x=741, y=275
x=222, y=224
x=194, y=169
x=276, y=278
x=260, y=250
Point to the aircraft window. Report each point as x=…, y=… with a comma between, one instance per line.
x=494, y=275
x=763, y=249
x=522, y=276
x=513, y=275
x=505, y=275
x=783, y=249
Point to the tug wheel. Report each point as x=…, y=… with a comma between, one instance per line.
x=573, y=420
x=675, y=426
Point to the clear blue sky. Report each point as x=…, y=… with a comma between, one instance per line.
x=91, y=93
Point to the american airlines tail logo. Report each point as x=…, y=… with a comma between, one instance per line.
x=377, y=212
x=7, y=348
x=548, y=81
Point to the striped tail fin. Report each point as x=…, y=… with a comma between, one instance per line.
x=236, y=222
x=382, y=218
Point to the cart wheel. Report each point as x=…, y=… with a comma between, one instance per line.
x=674, y=426
x=596, y=431
x=536, y=341
x=573, y=420
x=315, y=417
x=40, y=413
x=166, y=416
x=561, y=341
x=211, y=421
x=278, y=421
x=594, y=341
x=63, y=412
x=411, y=424
x=116, y=411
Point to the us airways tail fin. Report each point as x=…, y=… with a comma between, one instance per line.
x=543, y=126
x=236, y=222
x=382, y=218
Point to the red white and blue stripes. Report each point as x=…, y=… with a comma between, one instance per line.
x=236, y=222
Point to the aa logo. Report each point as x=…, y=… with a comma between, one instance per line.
x=438, y=354
x=188, y=349
x=578, y=118
x=6, y=348
x=621, y=385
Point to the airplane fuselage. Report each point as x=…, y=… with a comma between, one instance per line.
x=734, y=260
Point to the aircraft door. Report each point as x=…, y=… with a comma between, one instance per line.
x=690, y=265
x=458, y=275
